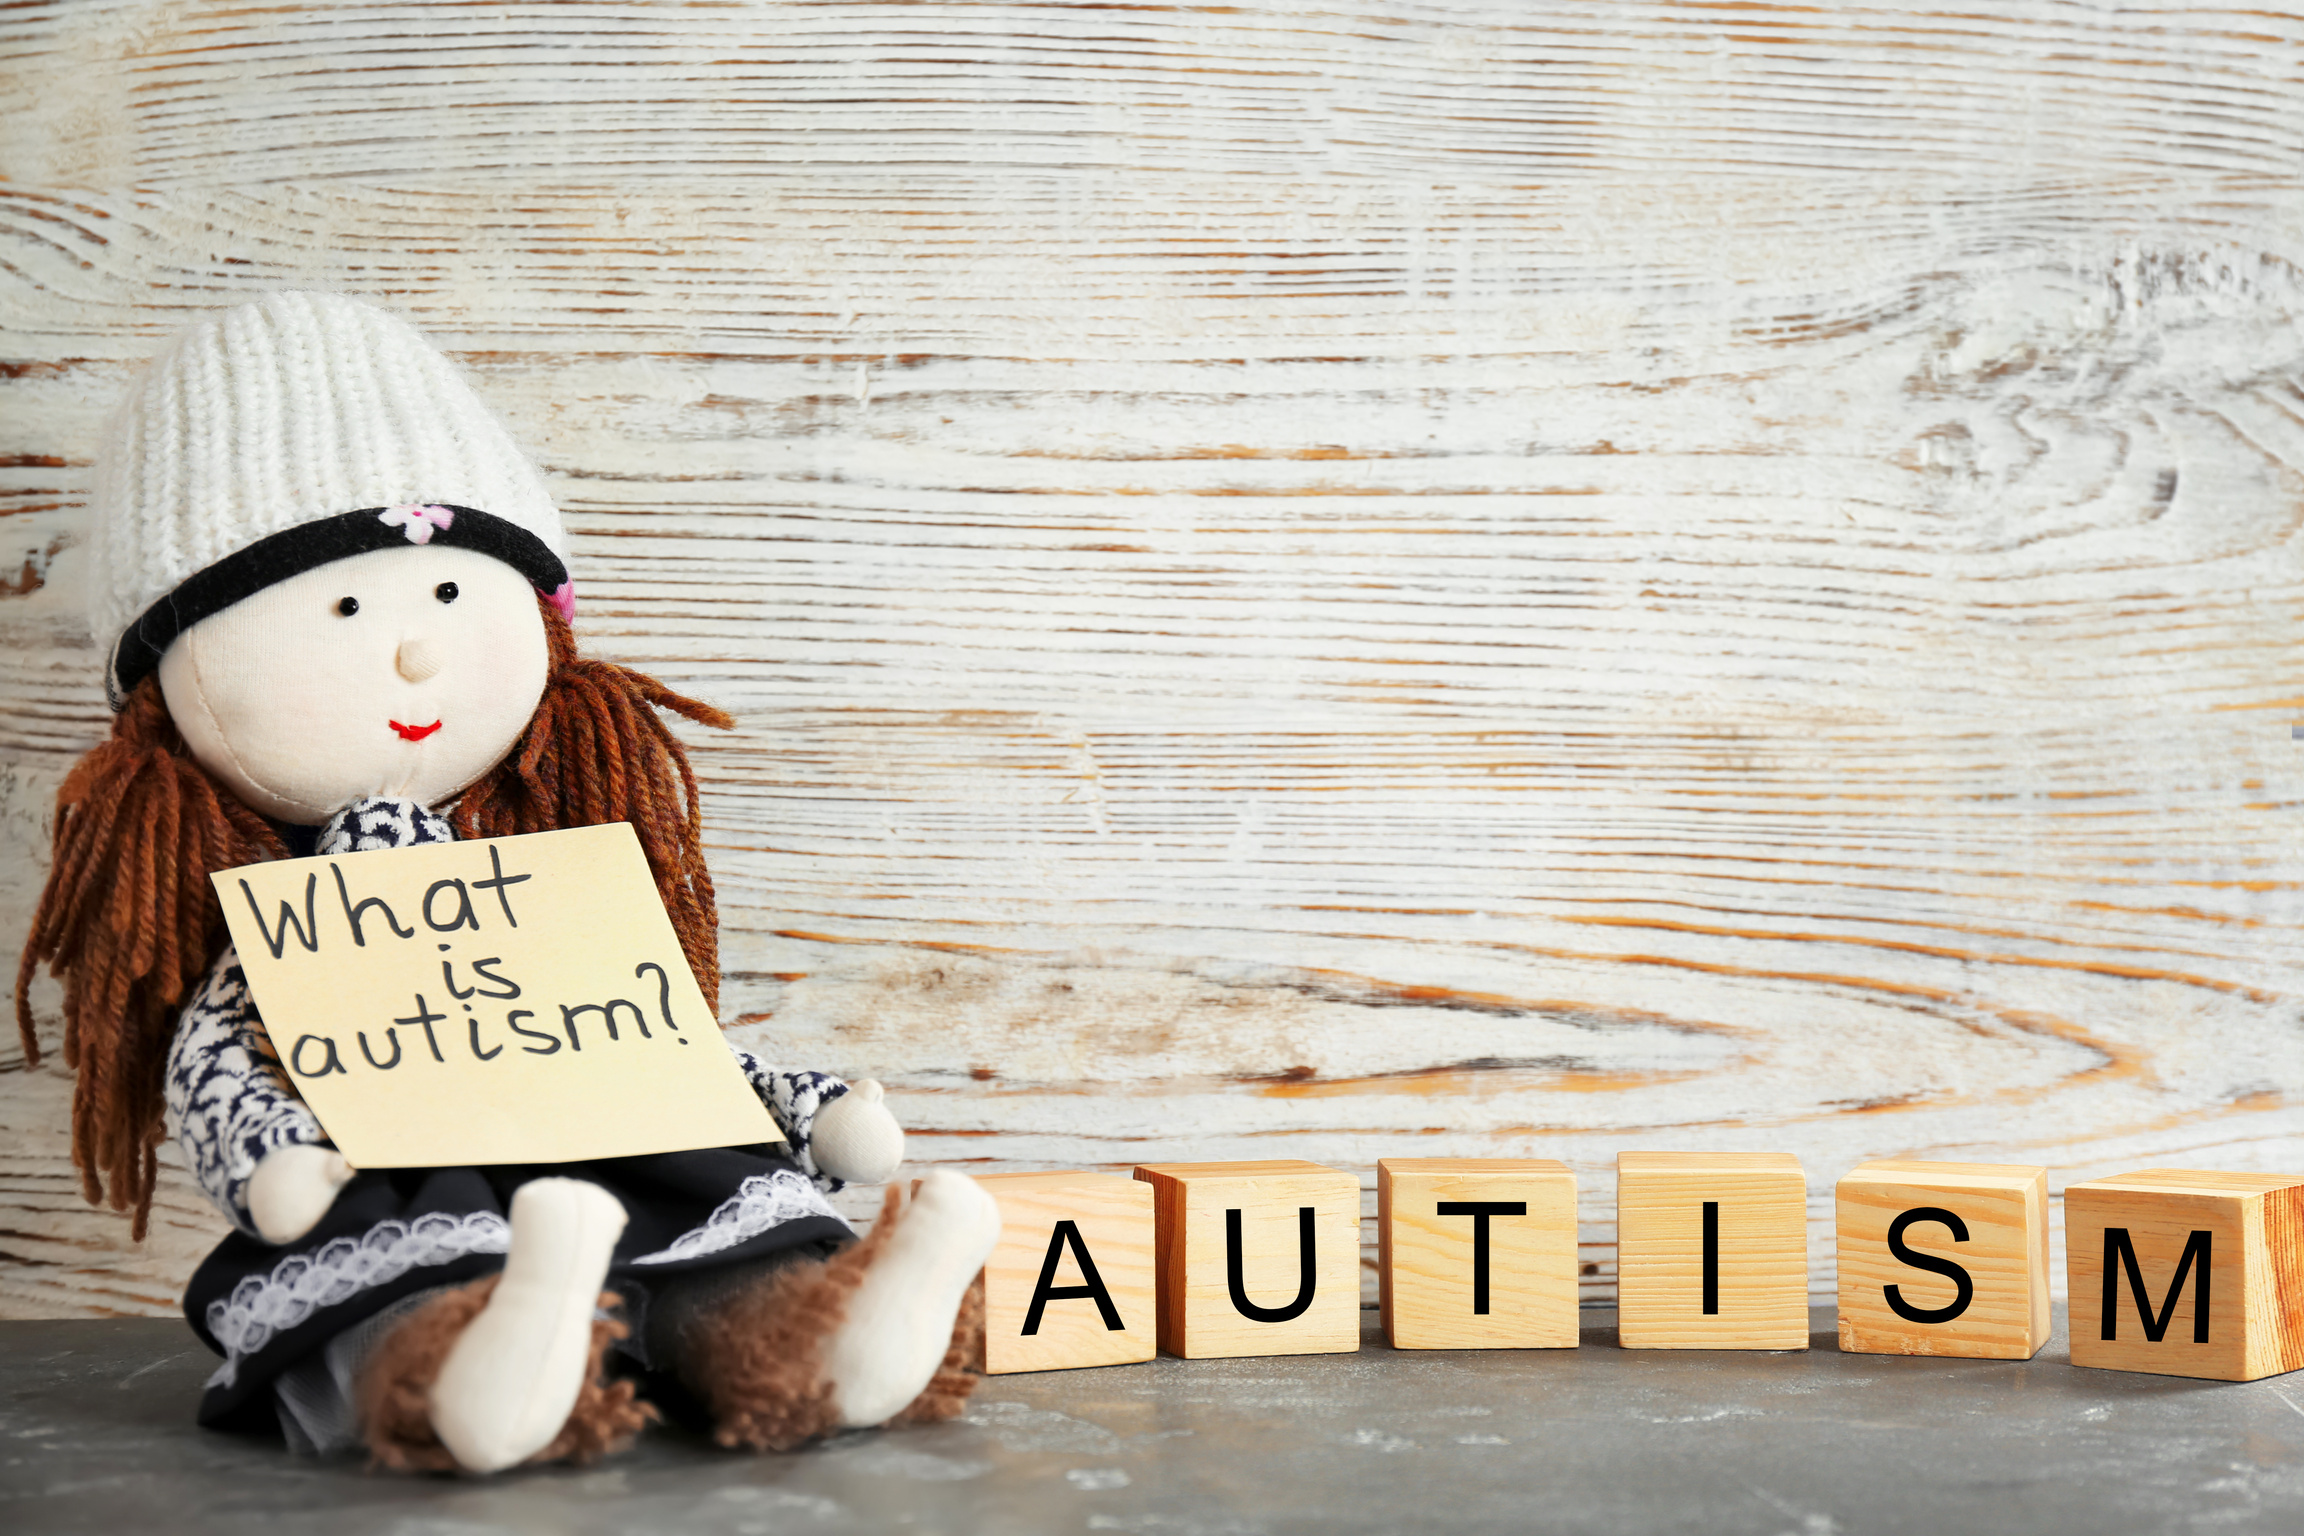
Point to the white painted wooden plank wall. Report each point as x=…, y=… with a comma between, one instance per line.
x=1461, y=579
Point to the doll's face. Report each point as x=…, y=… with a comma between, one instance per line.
x=402, y=672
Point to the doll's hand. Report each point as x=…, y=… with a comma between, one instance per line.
x=855, y=1139
x=293, y=1188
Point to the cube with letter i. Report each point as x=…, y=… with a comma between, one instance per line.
x=2182, y=1272
x=1477, y=1253
x=1943, y=1259
x=1711, y=1250
x=1259, y=1258
x=1071, y=1281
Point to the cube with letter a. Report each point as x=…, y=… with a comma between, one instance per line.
x=1071, y=1281
x=2182, y=1272
x=1477, y=1253
x=1943, y=1259
x=1256, y=1258
x=1711, y=1250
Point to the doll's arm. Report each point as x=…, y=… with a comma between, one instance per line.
x=293, y=1188
x=793, y=1100
x=855, y=1138
x=859, y=1143
x=229, y=1103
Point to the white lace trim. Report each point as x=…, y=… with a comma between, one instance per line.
x=302, y=1283
x=762, y=1201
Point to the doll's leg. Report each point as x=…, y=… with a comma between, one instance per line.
x=901, y=1321
x=394, y=1395
x=878, y=1332
x=507, y=1369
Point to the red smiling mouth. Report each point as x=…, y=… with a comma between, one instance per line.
x=415, y=732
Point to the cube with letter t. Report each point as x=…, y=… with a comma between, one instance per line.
x=1711, y=1250
x=1071, y=1282
x=2182, y=1272
x=1257, y=1258
x=1477, y=1253
x=1943, y=1259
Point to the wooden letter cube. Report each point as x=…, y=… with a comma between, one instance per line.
x=1477, y=1253
x=1943, y=1259
x=1256, y=1258
x=1711, y=1250
x=2185, y=1273
x=1071, y=1282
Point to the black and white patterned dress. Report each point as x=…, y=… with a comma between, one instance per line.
x=394, y=1234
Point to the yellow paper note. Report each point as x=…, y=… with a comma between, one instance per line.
x=505, y=1000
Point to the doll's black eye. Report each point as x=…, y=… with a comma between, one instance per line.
x=348, y=606
x=446, y=591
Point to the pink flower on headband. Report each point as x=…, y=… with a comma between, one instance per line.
x=417, y=520
x=564, y=600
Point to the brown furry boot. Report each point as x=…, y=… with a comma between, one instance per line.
x=394, y=1390
x=757, y=1359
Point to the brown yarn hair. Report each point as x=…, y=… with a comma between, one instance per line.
x=129, y=922
x=596, y=751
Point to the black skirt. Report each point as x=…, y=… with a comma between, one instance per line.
x=395, y=1232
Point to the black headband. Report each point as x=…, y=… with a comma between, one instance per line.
x=293, y=551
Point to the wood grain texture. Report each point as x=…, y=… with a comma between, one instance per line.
x=2000, y=1312
x=1453, y=1279
x=1711, y=1250
x=1239, y=1240
x=1462, y=580
x=2215, y=1260
x=1111, y=1221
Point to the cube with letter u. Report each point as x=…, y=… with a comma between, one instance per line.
x=1257, y=1258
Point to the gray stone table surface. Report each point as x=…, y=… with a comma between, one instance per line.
x=96, y=1435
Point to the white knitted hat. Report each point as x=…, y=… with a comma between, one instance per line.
x=271, y=438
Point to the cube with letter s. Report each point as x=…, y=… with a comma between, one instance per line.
x=1943, y=1259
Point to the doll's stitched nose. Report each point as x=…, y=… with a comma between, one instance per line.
x=420, y=658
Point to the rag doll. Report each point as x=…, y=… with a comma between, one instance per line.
x=336, y=608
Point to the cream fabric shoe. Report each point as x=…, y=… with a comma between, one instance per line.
x=513, y=1376
x=900, y=1316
